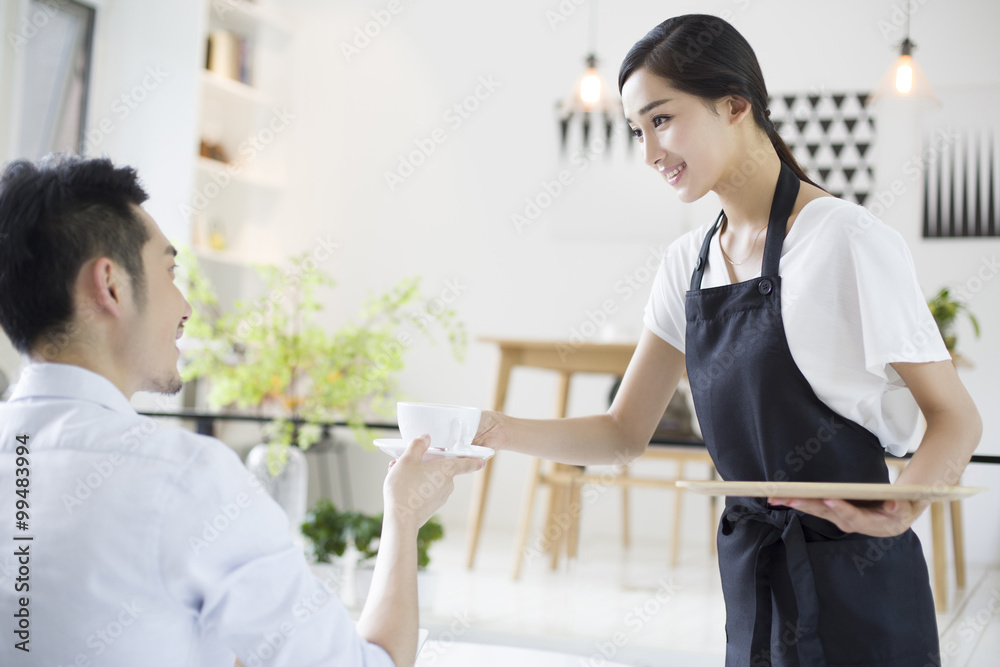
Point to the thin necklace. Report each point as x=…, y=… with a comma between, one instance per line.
x=749, y=252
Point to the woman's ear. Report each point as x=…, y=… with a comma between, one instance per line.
x=737, y=108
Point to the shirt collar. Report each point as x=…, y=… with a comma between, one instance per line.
x=49, y=380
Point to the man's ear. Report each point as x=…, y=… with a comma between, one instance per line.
x=107, y=286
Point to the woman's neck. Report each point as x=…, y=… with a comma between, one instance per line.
x=748, y=188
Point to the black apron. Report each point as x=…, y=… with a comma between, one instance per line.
x=798, y=590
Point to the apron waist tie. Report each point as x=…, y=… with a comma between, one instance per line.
x=784, y=525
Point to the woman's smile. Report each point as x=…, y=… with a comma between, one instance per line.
x=673, y=174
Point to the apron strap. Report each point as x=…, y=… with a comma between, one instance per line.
x=702, y=262
x=781, y=207
x=782, y=204
x=783, y=525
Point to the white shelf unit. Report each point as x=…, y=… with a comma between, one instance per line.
x=236, y=201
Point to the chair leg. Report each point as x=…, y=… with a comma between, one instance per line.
x=958, y=542
x=481, y=487
x=626, y=531
x=554, y=526
x=573, y=510
x=527, y=509
x=940, y=557
x=678, y=494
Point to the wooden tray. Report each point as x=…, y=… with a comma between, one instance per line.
x=844, y=491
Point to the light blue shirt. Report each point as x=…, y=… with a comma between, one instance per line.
x=150, y=545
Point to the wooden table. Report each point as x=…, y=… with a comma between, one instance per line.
x=564, y=358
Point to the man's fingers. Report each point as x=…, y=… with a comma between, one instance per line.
x=415, y=450
x=467, y=465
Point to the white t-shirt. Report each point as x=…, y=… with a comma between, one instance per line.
x=850, y=303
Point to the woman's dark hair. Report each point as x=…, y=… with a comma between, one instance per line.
x=705, y=56
x=55, y=215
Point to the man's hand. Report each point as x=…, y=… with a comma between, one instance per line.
x=892, y=518
x=414, y=489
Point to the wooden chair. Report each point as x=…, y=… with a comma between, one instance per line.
x=562, y=517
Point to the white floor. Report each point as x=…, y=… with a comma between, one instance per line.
x=617, y=606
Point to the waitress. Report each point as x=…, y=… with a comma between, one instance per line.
x=809, y=349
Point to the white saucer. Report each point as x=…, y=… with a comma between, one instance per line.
x=395, y=447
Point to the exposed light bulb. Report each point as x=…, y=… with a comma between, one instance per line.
x=590, y=87
x=904, y=75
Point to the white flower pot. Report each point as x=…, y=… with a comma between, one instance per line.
x=289, y=488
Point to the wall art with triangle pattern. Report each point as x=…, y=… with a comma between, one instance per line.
x=831, y=136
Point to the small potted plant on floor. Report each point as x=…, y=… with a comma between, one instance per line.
x=350, y=540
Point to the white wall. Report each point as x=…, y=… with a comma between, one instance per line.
x=452, y=218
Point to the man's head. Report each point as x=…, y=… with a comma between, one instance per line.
x=86, y=276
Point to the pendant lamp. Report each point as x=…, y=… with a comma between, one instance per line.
x=590, y=99
x=905, y=79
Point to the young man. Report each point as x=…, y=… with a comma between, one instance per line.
x=125, y=543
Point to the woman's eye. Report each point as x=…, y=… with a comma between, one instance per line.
x=636, y=132
x=660, y=120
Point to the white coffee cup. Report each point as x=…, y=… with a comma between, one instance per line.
x=450, y=426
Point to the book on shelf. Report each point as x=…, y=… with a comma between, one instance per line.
x=230, y=55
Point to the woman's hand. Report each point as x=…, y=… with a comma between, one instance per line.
x=892, y=518
x=491, y=431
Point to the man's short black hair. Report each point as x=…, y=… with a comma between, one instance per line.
x=55, y=215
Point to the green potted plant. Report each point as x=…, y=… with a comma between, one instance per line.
x=331, y=533
x=946, y=310
x=273, y=357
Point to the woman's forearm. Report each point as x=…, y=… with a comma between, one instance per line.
x=945, y=450
x=954, y=426
x=592, y=440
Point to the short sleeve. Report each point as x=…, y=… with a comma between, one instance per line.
x=227, y=556
x=896, y=323
x=665, y=310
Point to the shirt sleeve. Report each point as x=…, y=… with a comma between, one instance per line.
x=665, y=310
x=228, y=558
x=896, y=323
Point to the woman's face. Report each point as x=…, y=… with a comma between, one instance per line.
x=688, y=141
